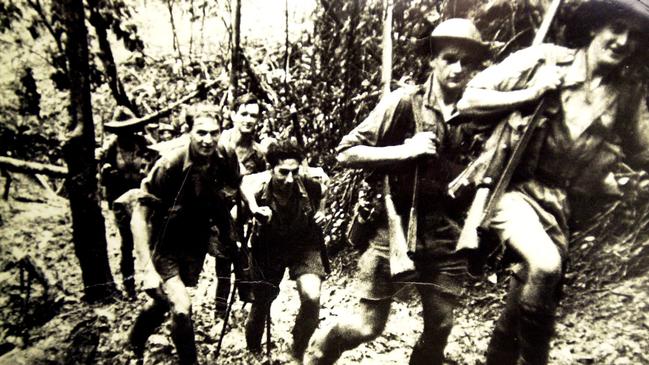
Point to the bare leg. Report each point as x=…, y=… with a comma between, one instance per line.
x=182, y=329
x=127, y=263
x=367, y=324
x=519, y=226
x=149, y=319
x=306, y=321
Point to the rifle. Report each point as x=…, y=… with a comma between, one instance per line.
x=228, y=309
x=490, y=164
x=401, y=265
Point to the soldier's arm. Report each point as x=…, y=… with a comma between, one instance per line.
x=320, y=177
x=362, y=147
x=361, y=156
x=142, y=223
x=521, y=78
x=249, y=188
x=141, y=228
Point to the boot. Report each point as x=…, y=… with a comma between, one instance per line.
x=324, y=350
x=504, y=345
x=255, y=325
x=535, y=331
x=429, y=350
x=145, y=324
x=182, y=334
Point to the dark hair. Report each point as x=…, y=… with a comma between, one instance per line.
x=200, y=110
x=247, y=98
x=282, y=150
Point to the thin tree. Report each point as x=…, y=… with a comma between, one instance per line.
x=106, y=55
x=88, y=230
x=235, y=58
x=386, y=54
x=176, y=42
x=287, y=48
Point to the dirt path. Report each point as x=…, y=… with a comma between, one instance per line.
x=607, y=326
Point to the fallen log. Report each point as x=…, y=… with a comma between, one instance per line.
x=202, y=88
x=14, y=164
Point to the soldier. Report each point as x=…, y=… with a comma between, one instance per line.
x=241, y=139
x=125, y=160
x=596, y=110
x=288, y=206
x=412, y=129
x=185, y=208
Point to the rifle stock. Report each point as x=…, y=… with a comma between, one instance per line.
x=469, y=239
x=401, y=266
x=486, y=198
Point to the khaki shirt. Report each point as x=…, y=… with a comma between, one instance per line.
x=188, y=200
x=584, y=132
x=397, y=117
x=291, y=224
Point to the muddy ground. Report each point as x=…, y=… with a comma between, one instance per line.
x=603, y=324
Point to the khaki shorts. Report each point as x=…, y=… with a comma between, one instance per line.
x=443, y=274
x=305, y=260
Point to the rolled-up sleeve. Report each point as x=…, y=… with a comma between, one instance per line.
x=152, y=185
x=513, y=73
x=372, y=130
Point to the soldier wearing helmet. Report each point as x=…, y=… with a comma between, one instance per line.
x=413, y=129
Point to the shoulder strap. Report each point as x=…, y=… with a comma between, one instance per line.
x=416, y=112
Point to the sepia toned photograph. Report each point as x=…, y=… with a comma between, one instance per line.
x=319, y=182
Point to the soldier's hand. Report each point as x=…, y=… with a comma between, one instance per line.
x=547, y=78
x=421, y=144
x=262, y=214
x=319, y=218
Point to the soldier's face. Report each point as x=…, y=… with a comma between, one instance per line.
x=614, y=42
x=246, y=117
x=204, y=136
x=285, y=172
x=454, y=65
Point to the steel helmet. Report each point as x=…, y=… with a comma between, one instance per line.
x=461, y=30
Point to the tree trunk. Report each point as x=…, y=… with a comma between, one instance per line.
x=88, y=230
x=287, y=49
x=235, y=59
x=386, y=55
x=176, y=43
x=107, y=59
x=352, y=78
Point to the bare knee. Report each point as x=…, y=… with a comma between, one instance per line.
x=184, y=310
x=372, y=320
x=310, y=299
x=181, y=306
x=308, y=286
x=546, y=268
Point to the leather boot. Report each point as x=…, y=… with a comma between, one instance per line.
x=504, y=346
x=425, y=354
x=145, y=324
x=182, y=334
x=535, y=332
x=255, y=325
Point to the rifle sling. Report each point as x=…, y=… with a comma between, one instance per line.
x=513, y=162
